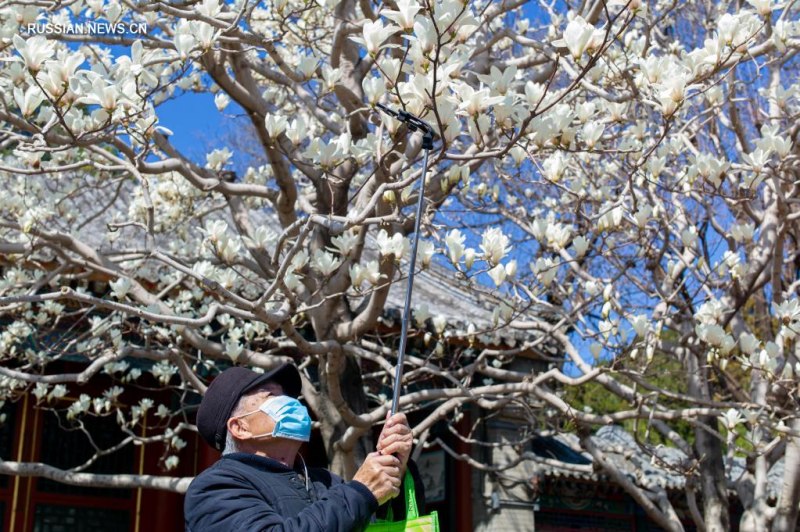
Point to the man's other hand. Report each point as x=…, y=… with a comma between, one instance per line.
x=381, y=474
x=396, y=439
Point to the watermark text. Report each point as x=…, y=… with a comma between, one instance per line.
x=87, y=28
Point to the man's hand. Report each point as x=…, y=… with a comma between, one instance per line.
x=396, y=438
x=381, y=474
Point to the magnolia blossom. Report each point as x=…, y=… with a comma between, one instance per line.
x=545, y=270
x=498, y=274
x=474, y=102
x=577, y=37
x=221, y=101
x=374, y=34
x=121, y=287
x=640, y=324
x=495, y=245
x=324, y=262
x=580, y=245
x=748, y=343
x=764, y=7
x=404, y=15
x=455, y=245
x=275, y=125
x=425, y=250
x=34, y=51
x=29, y=101
x=345, y=243
x=396, y=245
x=731, y=419
x=499, y=80
x=421, y=314
x=218, y=158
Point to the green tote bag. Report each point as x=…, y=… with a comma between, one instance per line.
x=413, y=522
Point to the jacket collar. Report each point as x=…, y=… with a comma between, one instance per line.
x=262, y=462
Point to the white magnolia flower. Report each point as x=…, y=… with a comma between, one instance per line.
x=610, y=219
x=291, y=280
x=404, y=15
x=34, y=51
x=330, y=77
x=221, y=101
x=79, y=407
x=233, y=349
x=439, y=323
x=209, y=8
x=261, y=238
x=748, y=343
x=711, y=333
x=218, y=158
x=184, y=41
x=40, y=390
x=689, y=236
x=120, y=287
x=345, y=243
x=592, y=131
x=374, y=88
x=763, y=7
x=324, y=262
x=421, y=314
x=534, y=92
x=577, y=37
x=474, y=102
x=425, y=250
x=494, y=245
x=511, y=269
x=299, y=260
x=498, y=274
x=469, y=258
x=640, y=324
x=731, y=419
x=275, y=125
x=545, y=270
x=554, y=167
x=499, y=80
x=396, y=245
x=307, y=65
x=643, y=215
x=56, y=76
x=371, y=272
x=374, y=34
x=29, y=101
x=580, y=245
x=171, y=462
x=297, y=130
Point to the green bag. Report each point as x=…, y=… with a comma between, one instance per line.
x=413, y=522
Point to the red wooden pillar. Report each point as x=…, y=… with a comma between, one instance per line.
x=205, y=455
x=463, y=479
x=163, y=510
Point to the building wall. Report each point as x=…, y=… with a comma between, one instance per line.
x=504, y=501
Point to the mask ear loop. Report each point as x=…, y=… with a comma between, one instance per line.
x=305, y=473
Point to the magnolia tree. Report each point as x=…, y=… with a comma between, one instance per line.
x=627, y=170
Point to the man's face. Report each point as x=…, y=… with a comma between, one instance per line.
x=250, y=417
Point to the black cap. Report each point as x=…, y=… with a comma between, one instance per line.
x=225, y=390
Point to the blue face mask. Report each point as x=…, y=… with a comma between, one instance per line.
x=291, y=418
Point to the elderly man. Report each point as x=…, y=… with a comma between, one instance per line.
x=261, y=482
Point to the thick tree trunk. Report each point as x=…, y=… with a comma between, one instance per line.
x=712, y=479
x=708, y=450
x=344, y=462
x=787, y=509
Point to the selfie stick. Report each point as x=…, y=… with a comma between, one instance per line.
x=414, y=124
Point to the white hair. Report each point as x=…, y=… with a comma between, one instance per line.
x=231, y=445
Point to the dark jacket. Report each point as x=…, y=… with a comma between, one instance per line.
x=251, y=493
